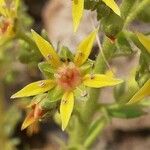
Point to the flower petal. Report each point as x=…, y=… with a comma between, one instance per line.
x=145, y=40
x=143, y=92
x=77, y=12
x=66, y=108
x=84, y=49
x=47, y=50
x=28, y=120
x=100, y=80
x=113, y=5
x=35, y=88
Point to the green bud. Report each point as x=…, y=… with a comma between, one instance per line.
x=87, y=67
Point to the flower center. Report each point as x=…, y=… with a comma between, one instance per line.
x=4, y=26
x=68, y=76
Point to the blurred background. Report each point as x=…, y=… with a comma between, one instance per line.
x=55, y=17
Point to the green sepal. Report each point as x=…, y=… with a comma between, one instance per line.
x=46, y=69
x=124, y=111
x=81, y=93
x=47, y=103
x=44, y=101
x=66, y=54
x=87, y=67
x=38, y=98
x=55, y=94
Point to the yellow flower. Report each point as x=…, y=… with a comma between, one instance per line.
x=78, y=7
x=143, y=92
x=8, y=13
x=67, y=75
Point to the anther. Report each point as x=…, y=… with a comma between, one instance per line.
x=84, y=94
x=80, y=53
x=64, y=101
x=62, y=59
x=41, y=84
x=49, y=56
x=92, y=76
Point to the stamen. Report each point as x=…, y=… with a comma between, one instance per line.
x=49, y=56
x=84, y=94
x=92, y=76
x=62, y=59
x=41, y=84
x=80, y=53
x=56, y=75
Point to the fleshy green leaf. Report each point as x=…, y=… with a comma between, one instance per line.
x=145, y=40
x=143, y=92
x=35, y=88
x=84, y=48
x=125, y=111
x=47, y=50
x=77, y=12
x=113, y=5
x=100, y=80
x=66, y=108
x=95, y=129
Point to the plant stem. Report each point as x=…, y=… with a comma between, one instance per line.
x=137, y=10
x=77, y=136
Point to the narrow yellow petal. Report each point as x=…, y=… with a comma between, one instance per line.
x=100, y=80
x=84, y=48
x=113, y=5
x=35, y=88
x=47, y=50
x=77, y=12
x=28, y=121
x=66, y=108
x=143, y=92
x=145, y=40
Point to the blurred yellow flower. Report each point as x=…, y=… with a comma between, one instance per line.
x=8, y=14
x=67, y=75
